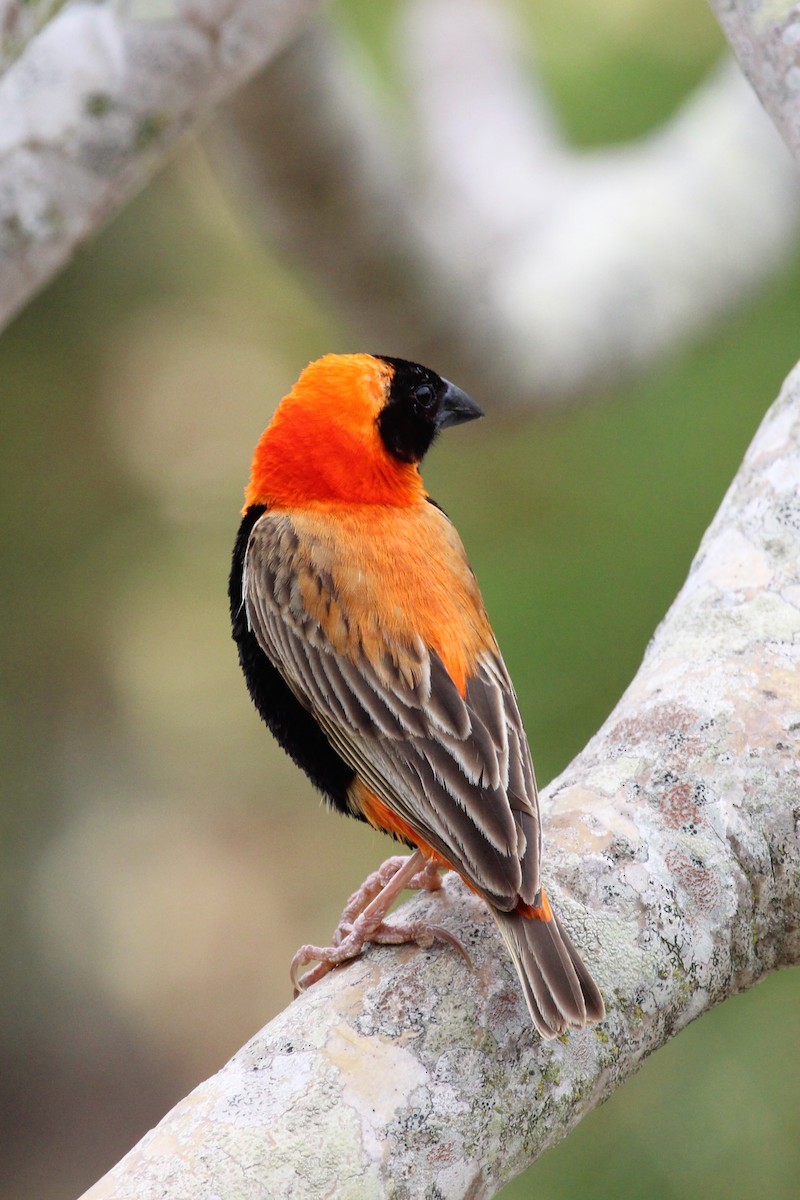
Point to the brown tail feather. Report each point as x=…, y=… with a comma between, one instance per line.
x=559, y=991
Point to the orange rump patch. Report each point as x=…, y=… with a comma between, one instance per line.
x=541, y=912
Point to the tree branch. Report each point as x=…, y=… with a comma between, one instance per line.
x=94, y=100
x=672, y=851
x=766, y=40
x=20, y=21
x=526, y=269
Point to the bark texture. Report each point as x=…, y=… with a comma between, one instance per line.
x=766, y=40
x=94, y=96
x=672, y=852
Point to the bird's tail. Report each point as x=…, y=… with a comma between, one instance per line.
x=559, y=991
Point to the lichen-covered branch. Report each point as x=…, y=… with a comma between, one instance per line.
x=766, y=40
x=94, y=100
x=672, y=851
x=20, y=20
x=479, y=241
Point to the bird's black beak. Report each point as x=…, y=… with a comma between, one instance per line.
x=456, y=407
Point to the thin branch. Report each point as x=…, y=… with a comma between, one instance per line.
x=672, y=849
x=483, y=243
x=95, y=101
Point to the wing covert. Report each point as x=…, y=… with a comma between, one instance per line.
x=457, y=769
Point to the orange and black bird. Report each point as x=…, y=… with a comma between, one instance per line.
x=368, y=652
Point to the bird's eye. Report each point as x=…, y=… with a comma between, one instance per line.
x=424, y=396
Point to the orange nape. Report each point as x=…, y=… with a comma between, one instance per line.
x=323, y=444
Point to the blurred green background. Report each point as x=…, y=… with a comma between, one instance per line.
x=160, y=859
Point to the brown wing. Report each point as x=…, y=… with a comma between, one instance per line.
x=456, y=769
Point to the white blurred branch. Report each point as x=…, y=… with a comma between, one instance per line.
x=766, y=41
x=20, y=20
x=672, y=849
x=95, y=97
x=488, y=247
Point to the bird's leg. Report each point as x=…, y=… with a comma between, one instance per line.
x=363, y=918
x=375, y=883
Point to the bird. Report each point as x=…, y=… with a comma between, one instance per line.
x=367, y=651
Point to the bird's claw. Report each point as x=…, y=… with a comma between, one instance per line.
x=363, y=921
x=352, y=944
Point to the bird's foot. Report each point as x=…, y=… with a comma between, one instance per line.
x=363, y=919
x=427, y=878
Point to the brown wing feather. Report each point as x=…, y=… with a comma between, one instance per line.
x=456, y=768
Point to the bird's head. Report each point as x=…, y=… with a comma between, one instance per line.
x=354, y=429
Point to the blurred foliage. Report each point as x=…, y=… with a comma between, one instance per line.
x=160, y=859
